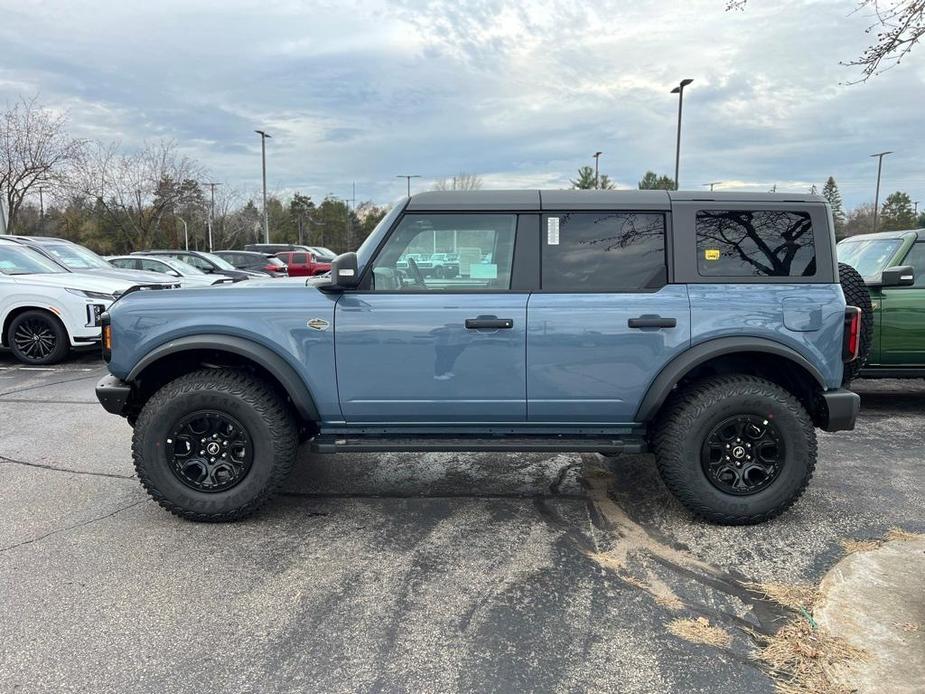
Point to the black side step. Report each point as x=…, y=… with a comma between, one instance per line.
x=339, y=443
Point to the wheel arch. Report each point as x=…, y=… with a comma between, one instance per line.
x=757, y=356
x=187, y=354
x=24, y=308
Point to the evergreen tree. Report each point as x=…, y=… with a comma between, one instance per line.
x=832, y=195
x=652, y=181
x=897, y=213
x=585, y=180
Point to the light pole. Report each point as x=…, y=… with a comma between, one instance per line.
x=679, y=90
x=212, y=209
x=597, y=156
x=880, y=156
x=263, y=160
x=185, y=232
x=711, y=184
x=408, y=177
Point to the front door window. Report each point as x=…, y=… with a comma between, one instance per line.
x=447, y=252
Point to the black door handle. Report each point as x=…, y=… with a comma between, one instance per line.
x=652, y=322
x=489, y=323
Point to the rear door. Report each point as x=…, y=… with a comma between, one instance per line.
x=605, y=321
x=902, y=316
x=411, y=348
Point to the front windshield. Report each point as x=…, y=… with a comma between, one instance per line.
x=220, y=263
x=75, y=257
x=869, y=257
x=17, y=260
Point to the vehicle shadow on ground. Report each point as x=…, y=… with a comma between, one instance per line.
x=890, y=395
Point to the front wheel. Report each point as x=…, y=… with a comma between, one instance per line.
x=735, y=450
x=37, y=337
x=214, y=445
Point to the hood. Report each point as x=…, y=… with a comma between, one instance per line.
x=90, y=282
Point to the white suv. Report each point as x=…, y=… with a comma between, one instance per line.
x=46, y=310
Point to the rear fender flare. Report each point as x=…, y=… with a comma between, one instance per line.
x=683, y=364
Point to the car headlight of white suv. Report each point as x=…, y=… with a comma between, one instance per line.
x=92, y=295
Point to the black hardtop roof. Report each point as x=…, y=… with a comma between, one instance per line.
x=528, y=200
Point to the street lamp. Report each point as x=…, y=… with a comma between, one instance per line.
x=711, y=184
x=679, y=90
x=263, y=159
x=408, y=177
x=212, y=207
x=597, y=156
x=185, y=232
x=880, y=156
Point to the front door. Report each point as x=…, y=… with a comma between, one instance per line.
x=415, y=348
x=604, y=323
x=902, y=316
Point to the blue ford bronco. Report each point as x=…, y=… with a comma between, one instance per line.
x=709, y=328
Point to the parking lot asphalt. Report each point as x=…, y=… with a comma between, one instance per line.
x=430, y=572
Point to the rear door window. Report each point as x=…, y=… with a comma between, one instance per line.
x=603, y=252
x=755, y=243
x=299, y=258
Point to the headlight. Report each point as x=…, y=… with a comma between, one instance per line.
x=91, y=295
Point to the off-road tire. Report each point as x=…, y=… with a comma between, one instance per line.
x=694, y=409
x=856, y=294
x=265, y=415
x=51, y=326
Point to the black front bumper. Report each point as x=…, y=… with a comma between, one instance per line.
x=840, y=411
x=113, y=394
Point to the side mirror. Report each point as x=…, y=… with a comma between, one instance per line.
x=344, y=272
x=899, y=276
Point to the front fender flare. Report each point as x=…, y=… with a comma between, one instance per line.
x=699, y=354
x=265, y=357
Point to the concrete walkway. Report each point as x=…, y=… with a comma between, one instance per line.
x=876, y=601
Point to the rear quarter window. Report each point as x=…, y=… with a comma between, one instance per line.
x=755, y=243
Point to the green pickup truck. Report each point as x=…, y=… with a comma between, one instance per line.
x=892, y=264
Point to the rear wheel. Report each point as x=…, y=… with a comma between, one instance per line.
x=856, y=294
x=735, y=450
x=214, y=445
x=37, y=337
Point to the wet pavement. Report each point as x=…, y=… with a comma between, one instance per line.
x=429, y=572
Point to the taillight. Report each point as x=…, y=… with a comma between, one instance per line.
x=852, y=340
x=107, y=337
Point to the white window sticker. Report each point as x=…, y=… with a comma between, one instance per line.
x=483, y=271
x=552, y=231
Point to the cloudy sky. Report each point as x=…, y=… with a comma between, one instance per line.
x=519, y=92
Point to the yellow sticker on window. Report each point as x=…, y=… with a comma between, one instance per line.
x=711, y=254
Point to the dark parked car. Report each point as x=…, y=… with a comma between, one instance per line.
x=709, y=328
x=207, y=262
x=255, y=262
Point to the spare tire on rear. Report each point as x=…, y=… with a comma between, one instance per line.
x=856, y=294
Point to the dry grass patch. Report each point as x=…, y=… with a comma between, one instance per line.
x=700, y=631
x=902, y=535
x=851, y=545
x=802, y=659
x=796, y=596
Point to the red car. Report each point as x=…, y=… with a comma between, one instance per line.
x=303, y=264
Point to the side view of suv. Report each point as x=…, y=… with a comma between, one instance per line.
x=892, y=264
x=708, y=328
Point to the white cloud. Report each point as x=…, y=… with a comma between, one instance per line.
x=519, y=92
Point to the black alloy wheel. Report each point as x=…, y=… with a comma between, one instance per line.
x=743, y=454
x=209, y=451
x=37, y=337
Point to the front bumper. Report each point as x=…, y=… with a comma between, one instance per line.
x=113, y=394
x=840, y=410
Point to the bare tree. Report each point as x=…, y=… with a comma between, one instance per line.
x=35, y=150
x=462, y=181
x=137, y=190
x=897, y=25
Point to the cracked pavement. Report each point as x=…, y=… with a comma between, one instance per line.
x=429, y=572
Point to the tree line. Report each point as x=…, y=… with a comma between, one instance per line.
x=116, y=200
